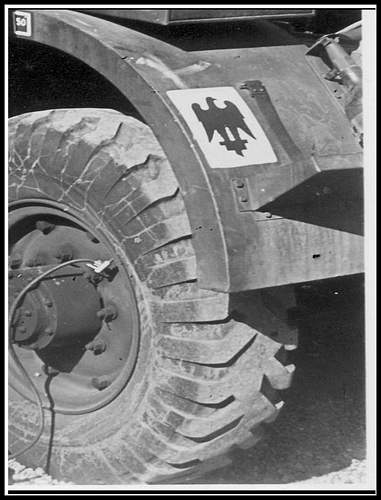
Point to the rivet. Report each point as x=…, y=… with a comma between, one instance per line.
x=239, y=183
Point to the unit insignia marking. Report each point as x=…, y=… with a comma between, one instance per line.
x=224, y=127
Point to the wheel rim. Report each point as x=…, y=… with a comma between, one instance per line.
x=76, y=330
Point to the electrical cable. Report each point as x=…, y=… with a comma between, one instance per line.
x=15, y=357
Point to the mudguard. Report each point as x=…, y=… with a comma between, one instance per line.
x=278, y=199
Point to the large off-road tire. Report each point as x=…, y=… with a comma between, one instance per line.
x=204, y=377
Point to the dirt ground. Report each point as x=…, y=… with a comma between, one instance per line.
x=321, y=430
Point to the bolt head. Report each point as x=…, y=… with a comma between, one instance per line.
x=97, y=347
x=108, y=313
x=99, y=384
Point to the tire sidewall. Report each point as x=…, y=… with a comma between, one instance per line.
x=128, y=406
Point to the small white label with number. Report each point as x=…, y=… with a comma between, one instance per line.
x=224, y=127
x=22, y=23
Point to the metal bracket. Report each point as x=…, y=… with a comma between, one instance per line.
x=259, y=93
x=241, y=189
x=255, y=87
x=241, y=194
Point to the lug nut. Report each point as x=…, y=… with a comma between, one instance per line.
x=100, y=384
x=45, y=226
x=97, y=347
x=108, y=313
x=15, y=261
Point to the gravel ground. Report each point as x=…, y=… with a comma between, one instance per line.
x=319, y=438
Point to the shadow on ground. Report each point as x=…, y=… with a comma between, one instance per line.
x=322, y=427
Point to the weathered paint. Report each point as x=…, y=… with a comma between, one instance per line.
x=306, y=127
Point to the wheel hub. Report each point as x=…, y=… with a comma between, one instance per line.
x=81, y=323
x=61, y=309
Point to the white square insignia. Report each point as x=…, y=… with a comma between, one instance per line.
x=224, y=127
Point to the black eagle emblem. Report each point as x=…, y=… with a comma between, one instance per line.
x=225, y=121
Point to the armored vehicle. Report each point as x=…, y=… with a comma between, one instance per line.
x=178, y=179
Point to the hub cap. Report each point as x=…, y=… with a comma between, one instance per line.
x=77, y=323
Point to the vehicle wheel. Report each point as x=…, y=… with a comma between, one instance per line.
x=143, y=374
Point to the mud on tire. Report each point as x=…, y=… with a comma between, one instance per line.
x=205, y=379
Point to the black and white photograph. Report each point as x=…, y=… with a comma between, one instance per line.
x=191, y=249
